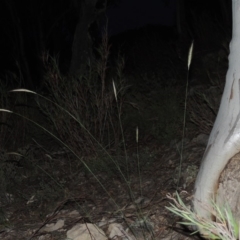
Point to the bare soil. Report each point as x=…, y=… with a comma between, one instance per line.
x=138, y=205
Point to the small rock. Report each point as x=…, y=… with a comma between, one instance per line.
x=201, y=139
x=86, y=231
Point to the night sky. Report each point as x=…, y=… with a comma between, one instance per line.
x=135, y=14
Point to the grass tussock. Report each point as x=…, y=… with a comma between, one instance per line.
x=225, y=227
x=83, y=114
x=91, y=100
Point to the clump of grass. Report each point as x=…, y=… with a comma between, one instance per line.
x=225, y=227
x=48, y=188
x=90, y=99
x=82, y=115
x=85, y=113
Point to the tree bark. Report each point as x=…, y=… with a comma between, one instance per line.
x=224, y=141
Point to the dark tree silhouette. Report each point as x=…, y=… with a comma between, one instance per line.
x=31, y=28
x=88, y=13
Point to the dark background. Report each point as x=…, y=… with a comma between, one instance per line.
x=31, y=28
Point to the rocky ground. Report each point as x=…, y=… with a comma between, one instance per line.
x=116, y=210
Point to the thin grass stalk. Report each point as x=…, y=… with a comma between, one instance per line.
x=138, y=161
x=124, y=145
x=104, y=53
x=185, y=112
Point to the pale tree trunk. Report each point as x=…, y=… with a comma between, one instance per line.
x=224, y=141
